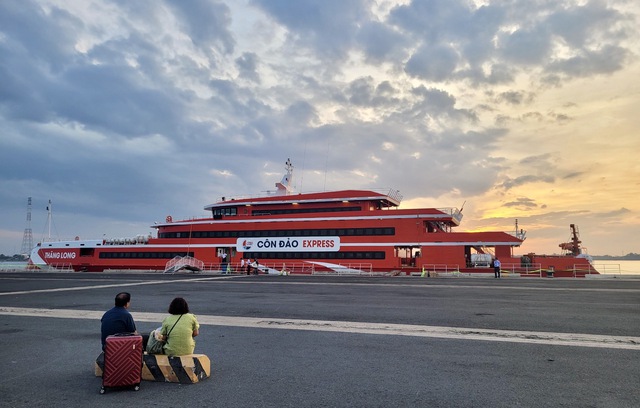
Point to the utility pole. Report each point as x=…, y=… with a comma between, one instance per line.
x=27, y=238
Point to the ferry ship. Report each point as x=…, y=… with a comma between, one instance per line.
x=346, y=232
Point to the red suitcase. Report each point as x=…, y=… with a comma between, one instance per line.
x=122, y=362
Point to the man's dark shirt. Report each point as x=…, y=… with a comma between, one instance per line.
x=116, y=320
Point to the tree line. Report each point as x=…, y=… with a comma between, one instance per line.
x=628, y=257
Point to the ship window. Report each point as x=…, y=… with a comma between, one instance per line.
x=304, y=210
x=282, y=233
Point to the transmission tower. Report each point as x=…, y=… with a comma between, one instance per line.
x=27, y=238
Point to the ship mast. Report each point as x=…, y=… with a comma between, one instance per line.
x=49, y=221
x=284, y=186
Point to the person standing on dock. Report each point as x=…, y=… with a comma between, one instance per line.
x=223, y=262
x=496, y=268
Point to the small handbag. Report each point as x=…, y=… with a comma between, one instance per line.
x=155, y=346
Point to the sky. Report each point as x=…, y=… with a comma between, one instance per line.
x=122, y=112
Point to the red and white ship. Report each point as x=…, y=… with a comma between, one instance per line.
x=347, y=231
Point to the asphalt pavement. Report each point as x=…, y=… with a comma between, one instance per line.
x=321, y=341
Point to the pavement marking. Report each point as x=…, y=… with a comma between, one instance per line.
x=425, y=285
x=440, y=332
x=233, y=279
x=114, y=285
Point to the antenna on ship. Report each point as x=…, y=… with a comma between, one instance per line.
x=49, y=222
x=520, y=234
x=284, y=186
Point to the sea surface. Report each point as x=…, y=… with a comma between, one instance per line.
x=613, y=267
x=622, y=267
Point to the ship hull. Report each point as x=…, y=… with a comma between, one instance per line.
x=392, y=253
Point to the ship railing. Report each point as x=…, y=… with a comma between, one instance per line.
x=453, y=212
x=137, y=240
x=395, y=195
x=442, y=269
x=392, y=193
x=516, y=234
x=528, y=270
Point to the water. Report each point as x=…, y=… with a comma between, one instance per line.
x=615, y=267
x=12, y=266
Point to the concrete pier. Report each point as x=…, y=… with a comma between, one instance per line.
x=312, y=341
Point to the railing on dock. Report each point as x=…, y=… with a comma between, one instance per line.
x=596, y=269
x=349, y=269
x=300, y=268
x=529, y=270
x=239, y=268
x=60, y=267
x=441, y=269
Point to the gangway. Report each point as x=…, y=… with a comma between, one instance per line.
x=184, y=262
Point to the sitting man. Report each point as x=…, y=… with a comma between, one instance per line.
x=118, y=319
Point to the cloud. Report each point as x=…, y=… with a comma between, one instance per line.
x=521, y=203
x=616, y=213
x=329, y=27
x=522, y=180
x=381, y=43
x=606, y=60
x=433, y=63
x=579, y=25
x=247, y=64
x=516, y=97
x=526, y=46
x=206, y=22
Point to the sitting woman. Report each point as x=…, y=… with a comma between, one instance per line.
x=179, y=329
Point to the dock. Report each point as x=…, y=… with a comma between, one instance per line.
x=334, y=341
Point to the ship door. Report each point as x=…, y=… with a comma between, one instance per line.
x=407, y=255
x=226, y=256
